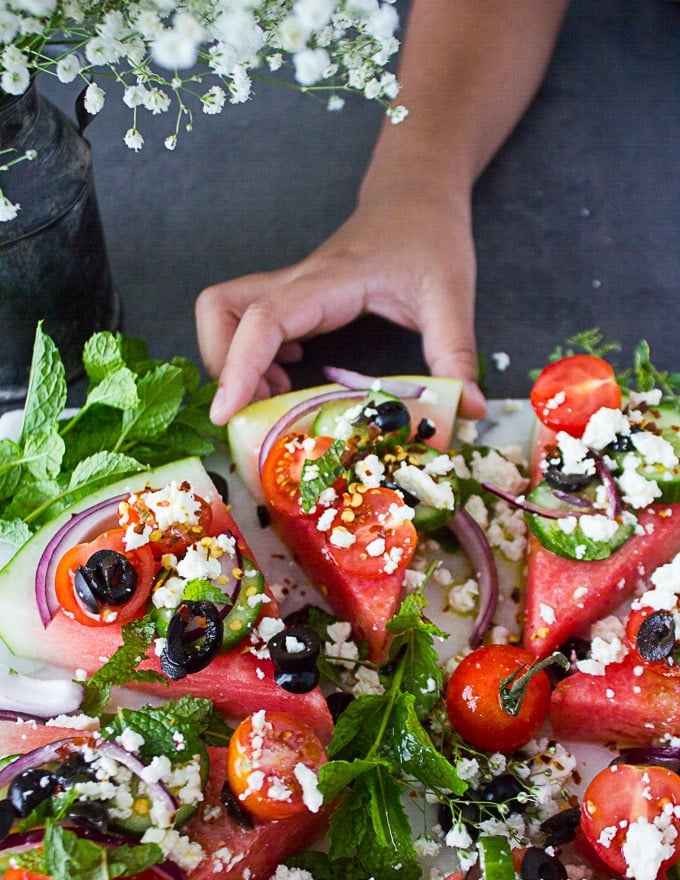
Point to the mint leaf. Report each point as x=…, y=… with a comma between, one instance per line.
x=355, y=731
x=11, y=467
x=160, y=396
x=117, y=389
x=413, y=752
x=44, y=453
x=320, y=473
x=102, y=355
x=335, y=776
x=14, y=532
x=123, y=667
x=198, y=590
x=46, y=395
x=160, y=726
x=69, y=857
x=102, y=466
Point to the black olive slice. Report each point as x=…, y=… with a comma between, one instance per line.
x=426, y=429
x=7, y=816
x=294, y=652
x=537, y=864
x=182, y=656
x=220, y=484
x=558, y=479
x=390, y=416
x=107, y=578
x=337, y=702
x=656, y=636
x=561, y=828
x=234, y=807
x=504, y=789
x=29, y=789
x=89, y=814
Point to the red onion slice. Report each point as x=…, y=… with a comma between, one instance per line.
x=55, y=751
x=351, y=379
x=297, y=412
x=522, y=504
x=81, y=527
x=474, y=544
x=663, y=756
x=38, y=697
x=613, y=495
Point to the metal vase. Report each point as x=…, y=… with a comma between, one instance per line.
x=53, y=262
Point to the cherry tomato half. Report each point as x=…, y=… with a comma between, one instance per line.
x=369, y=535
x=624, y=798
x=175, y=538
x=283, y=467
x=269, y=754
x=22, y=874
x=141, y=560
x=567, y=392
x=474, y=701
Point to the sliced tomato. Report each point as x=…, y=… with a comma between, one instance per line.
x=283, y=468
x=370, y=535
x=270, y=754
x=22, y=874
x=173, y=538
x=568, y=392
x=142, y=561
x=620, y=804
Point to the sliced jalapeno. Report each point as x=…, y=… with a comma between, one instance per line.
x=242, y=615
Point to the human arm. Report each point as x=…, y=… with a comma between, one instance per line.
x=469, y=69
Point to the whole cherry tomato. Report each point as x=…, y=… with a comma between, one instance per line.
x=568, y=392
x=492, y=704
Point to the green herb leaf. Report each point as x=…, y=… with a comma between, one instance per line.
x=14, y=532
x=102, y=355
x=102, y=466
x=44, y=453
x=46, y=395
x=160, y=396
x=388, y=851
x=117, y=389
x=11, y=467
x=123, y=667
x=320, y=473
x=335, y=776
x=199, y=590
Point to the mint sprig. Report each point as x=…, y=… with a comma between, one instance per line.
x=137, y=413
x=379, y=747
x=320, y=473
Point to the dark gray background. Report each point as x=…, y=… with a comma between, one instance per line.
x=576, y=220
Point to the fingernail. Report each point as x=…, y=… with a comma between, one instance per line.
x=218, y=406
x=474, y=398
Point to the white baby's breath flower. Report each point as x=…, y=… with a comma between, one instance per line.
x=239, y=30
x=68, y=68
x=134, y=139
x=134, y=96
x=335, y=103
x=94, y=99
x=9, y=26
x=174, y=49
x=213, y=100
x=310, y=65
x=240, y=85
x=293, y=34
x=314, y=14
x=382, y=23
x=8, y=210
x=171, y=142
x=156, y=101
x=397, y=114
x=41, y=8
x=275, y=61
x=15, y=80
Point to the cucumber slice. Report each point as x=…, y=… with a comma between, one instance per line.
x=495, y=858
x=667, y=421
x=559, y=537
x=344, y=419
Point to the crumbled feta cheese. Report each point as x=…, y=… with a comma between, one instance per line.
x=173, y=504
x=462, y=598
x=495, y=469
x=636, y=491
x=654, y=449
x=603, y=427
x=342, y=538
x=574, y=453
x=370, y=471
x=414, y=480
x=309, y=783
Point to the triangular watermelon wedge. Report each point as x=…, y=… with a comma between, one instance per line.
x=238, y=682
x=368, y=603
x=564, y=597
x=231, y=850
x=629, y=705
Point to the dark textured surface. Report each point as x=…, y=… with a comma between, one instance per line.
x=577, y=220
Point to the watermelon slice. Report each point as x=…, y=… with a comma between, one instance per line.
x=629, y=705
x=237, y=682
x=564, y=597
x=365, y=601
x=231, y=850
x=248, y=428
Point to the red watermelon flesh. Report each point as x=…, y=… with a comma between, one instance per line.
x=630, y=705
x=564, y=597
x=237, y=682
x=230, y=849
x=369, y=603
